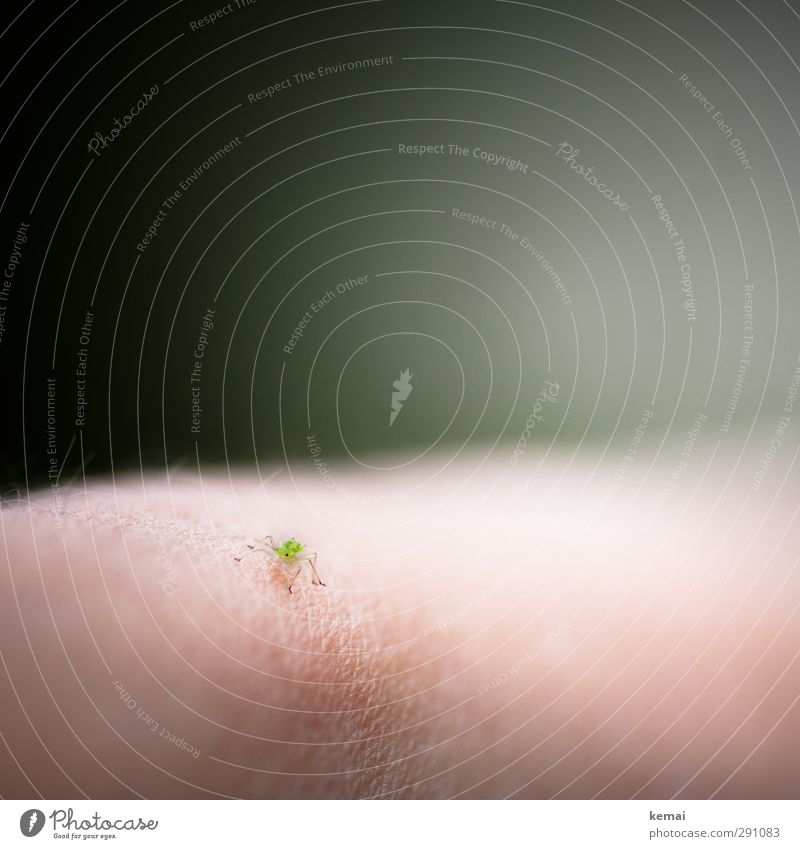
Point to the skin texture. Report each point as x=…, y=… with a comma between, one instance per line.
x=480, y=637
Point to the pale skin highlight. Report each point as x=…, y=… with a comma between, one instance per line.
x=617, y=659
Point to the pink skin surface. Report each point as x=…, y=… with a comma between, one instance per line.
x=478, y=637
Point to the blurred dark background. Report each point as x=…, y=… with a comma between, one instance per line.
x=313, y=191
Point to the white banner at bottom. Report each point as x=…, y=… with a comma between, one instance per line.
x=389, y=824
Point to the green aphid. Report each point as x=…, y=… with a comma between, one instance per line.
x=291, y=551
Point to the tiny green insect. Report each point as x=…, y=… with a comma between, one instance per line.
x=291, y=552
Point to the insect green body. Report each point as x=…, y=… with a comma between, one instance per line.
x=291, y=551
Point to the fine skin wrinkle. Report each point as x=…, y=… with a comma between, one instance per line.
x=610, y=662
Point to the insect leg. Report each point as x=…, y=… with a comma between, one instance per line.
x=271, y=542
x=312, y=558
x=295, y=577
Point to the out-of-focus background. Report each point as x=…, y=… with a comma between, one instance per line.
x=299, y=203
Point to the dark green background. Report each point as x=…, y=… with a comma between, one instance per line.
x=318, y=193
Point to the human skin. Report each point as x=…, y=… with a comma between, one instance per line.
x=480, y=638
